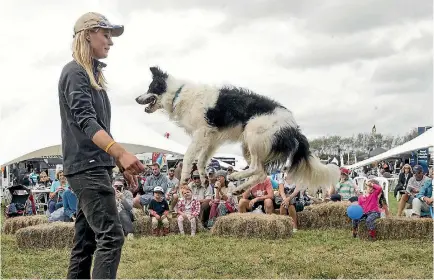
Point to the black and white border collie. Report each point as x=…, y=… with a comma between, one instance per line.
x=268, y=133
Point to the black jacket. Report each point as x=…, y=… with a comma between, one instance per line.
x=402, y=181
x=83, y=112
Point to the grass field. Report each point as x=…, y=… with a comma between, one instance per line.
x=309, y=254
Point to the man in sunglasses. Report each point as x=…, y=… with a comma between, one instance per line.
x=413, y=187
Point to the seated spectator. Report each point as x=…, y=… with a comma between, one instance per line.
x=124, y=203
x=70, y=204
x=159, y=211
x=423, y=200
x=188, y=209
x=203, y=194
x=172, y=194
x=371, y=211
x=223, y=201
x=345, y=189
x=44, y=180
x=413, y=187
x=156, y=179
x=288, y=198
x=56, y=192
x=404, y=177
x=259, y=196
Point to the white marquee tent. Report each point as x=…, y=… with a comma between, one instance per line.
x=34, y=131
x=424, y=140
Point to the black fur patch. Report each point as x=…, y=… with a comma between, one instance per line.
x=158, y=84
x=237, y=106
x=286, y=142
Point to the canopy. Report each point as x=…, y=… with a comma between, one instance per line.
x=34, y=131
x=424, y=140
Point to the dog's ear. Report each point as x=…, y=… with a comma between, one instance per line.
x=157, y=72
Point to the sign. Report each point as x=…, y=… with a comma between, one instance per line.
x=423, y=154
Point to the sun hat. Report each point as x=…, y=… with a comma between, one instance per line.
x=96, y=20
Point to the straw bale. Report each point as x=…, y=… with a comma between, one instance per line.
x=11, y=225
x=307, y=220
x=253, y=225
x=45, y=236
x=400, y=228
x=331, y=215
x=142, y=224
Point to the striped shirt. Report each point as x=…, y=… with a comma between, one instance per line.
x=346, y=189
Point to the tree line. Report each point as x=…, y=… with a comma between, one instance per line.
x=360, y=144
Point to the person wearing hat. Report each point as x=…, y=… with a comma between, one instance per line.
x=413, y=187
x=346, y=189
x=203, y=194
x=90, y=152
x=159, y=211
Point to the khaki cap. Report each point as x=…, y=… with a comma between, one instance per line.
x=96, y=20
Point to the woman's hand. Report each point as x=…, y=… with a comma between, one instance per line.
x=286, y=201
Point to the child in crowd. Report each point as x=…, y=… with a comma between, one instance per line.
x=371, y=210
x=188, y=209
x=159, y=210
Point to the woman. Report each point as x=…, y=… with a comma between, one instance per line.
x=89, y=151
x=288, y=199
x=405, y=175
x=56, y=192
x=223, y=201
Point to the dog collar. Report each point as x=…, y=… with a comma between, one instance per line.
x=174, y=103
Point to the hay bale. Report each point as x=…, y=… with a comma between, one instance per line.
x=307, y=220
x=330, y=215
x=400, y=228
x=46, y=236
x=253, y=225
x=11, y=225
x=142, y=224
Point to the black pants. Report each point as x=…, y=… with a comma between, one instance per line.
x=398, y=188
x=98, y=229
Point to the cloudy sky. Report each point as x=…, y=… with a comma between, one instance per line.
x=340, y=66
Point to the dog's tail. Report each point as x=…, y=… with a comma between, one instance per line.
x=307, y=170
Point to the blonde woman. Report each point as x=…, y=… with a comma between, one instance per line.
x=89, y=151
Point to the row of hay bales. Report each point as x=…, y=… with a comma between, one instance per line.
x=36, y=232
x=320, y=216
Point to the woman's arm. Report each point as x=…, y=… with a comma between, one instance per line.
x=282, y=191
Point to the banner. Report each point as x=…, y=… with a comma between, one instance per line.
x=423, y=154
x=159, y=158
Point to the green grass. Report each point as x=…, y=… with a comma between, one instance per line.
x=309, y=254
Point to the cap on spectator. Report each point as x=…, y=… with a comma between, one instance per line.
x=195, y=174
x=230, y=167
x=171, y=169
x=417, y=169
x=96, y=20
x=221, y=173
x=158, y=189
x=345, y=171
x=210, y=170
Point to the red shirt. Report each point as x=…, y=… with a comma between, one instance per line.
x=262, y=189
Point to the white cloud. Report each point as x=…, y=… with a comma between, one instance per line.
x=340, y=67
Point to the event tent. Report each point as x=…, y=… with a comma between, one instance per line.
x=424, y=140
x=34, y=131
